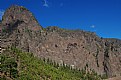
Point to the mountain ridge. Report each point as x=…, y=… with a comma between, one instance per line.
x=79, y=49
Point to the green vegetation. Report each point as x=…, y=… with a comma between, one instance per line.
x=4, y=30
x=18, y=65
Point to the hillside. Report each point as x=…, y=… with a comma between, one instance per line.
x=19, y=65
x=76, y=48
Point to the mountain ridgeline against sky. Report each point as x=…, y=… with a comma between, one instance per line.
x=77, y=48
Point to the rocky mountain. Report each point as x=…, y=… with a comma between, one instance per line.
x=77, y=48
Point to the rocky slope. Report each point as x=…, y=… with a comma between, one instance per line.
x=19, y=65
x=80, y=49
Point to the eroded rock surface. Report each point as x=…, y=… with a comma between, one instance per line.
x=77, y=48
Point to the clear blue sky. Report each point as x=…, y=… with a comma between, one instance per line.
x=100, y=16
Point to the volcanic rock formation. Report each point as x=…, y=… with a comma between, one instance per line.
x=77, y=48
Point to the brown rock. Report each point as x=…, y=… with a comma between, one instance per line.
x=80, y=49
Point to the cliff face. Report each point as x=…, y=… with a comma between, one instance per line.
x=18, y=16
x=80, y=49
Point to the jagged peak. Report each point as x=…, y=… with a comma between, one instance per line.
x=15, y=14
x=17, y=7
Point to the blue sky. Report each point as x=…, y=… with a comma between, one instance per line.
x=100, y=16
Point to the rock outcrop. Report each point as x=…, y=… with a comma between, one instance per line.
x=77, y=48
x=18, y=16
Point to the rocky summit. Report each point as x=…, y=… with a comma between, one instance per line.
x=77, y=48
